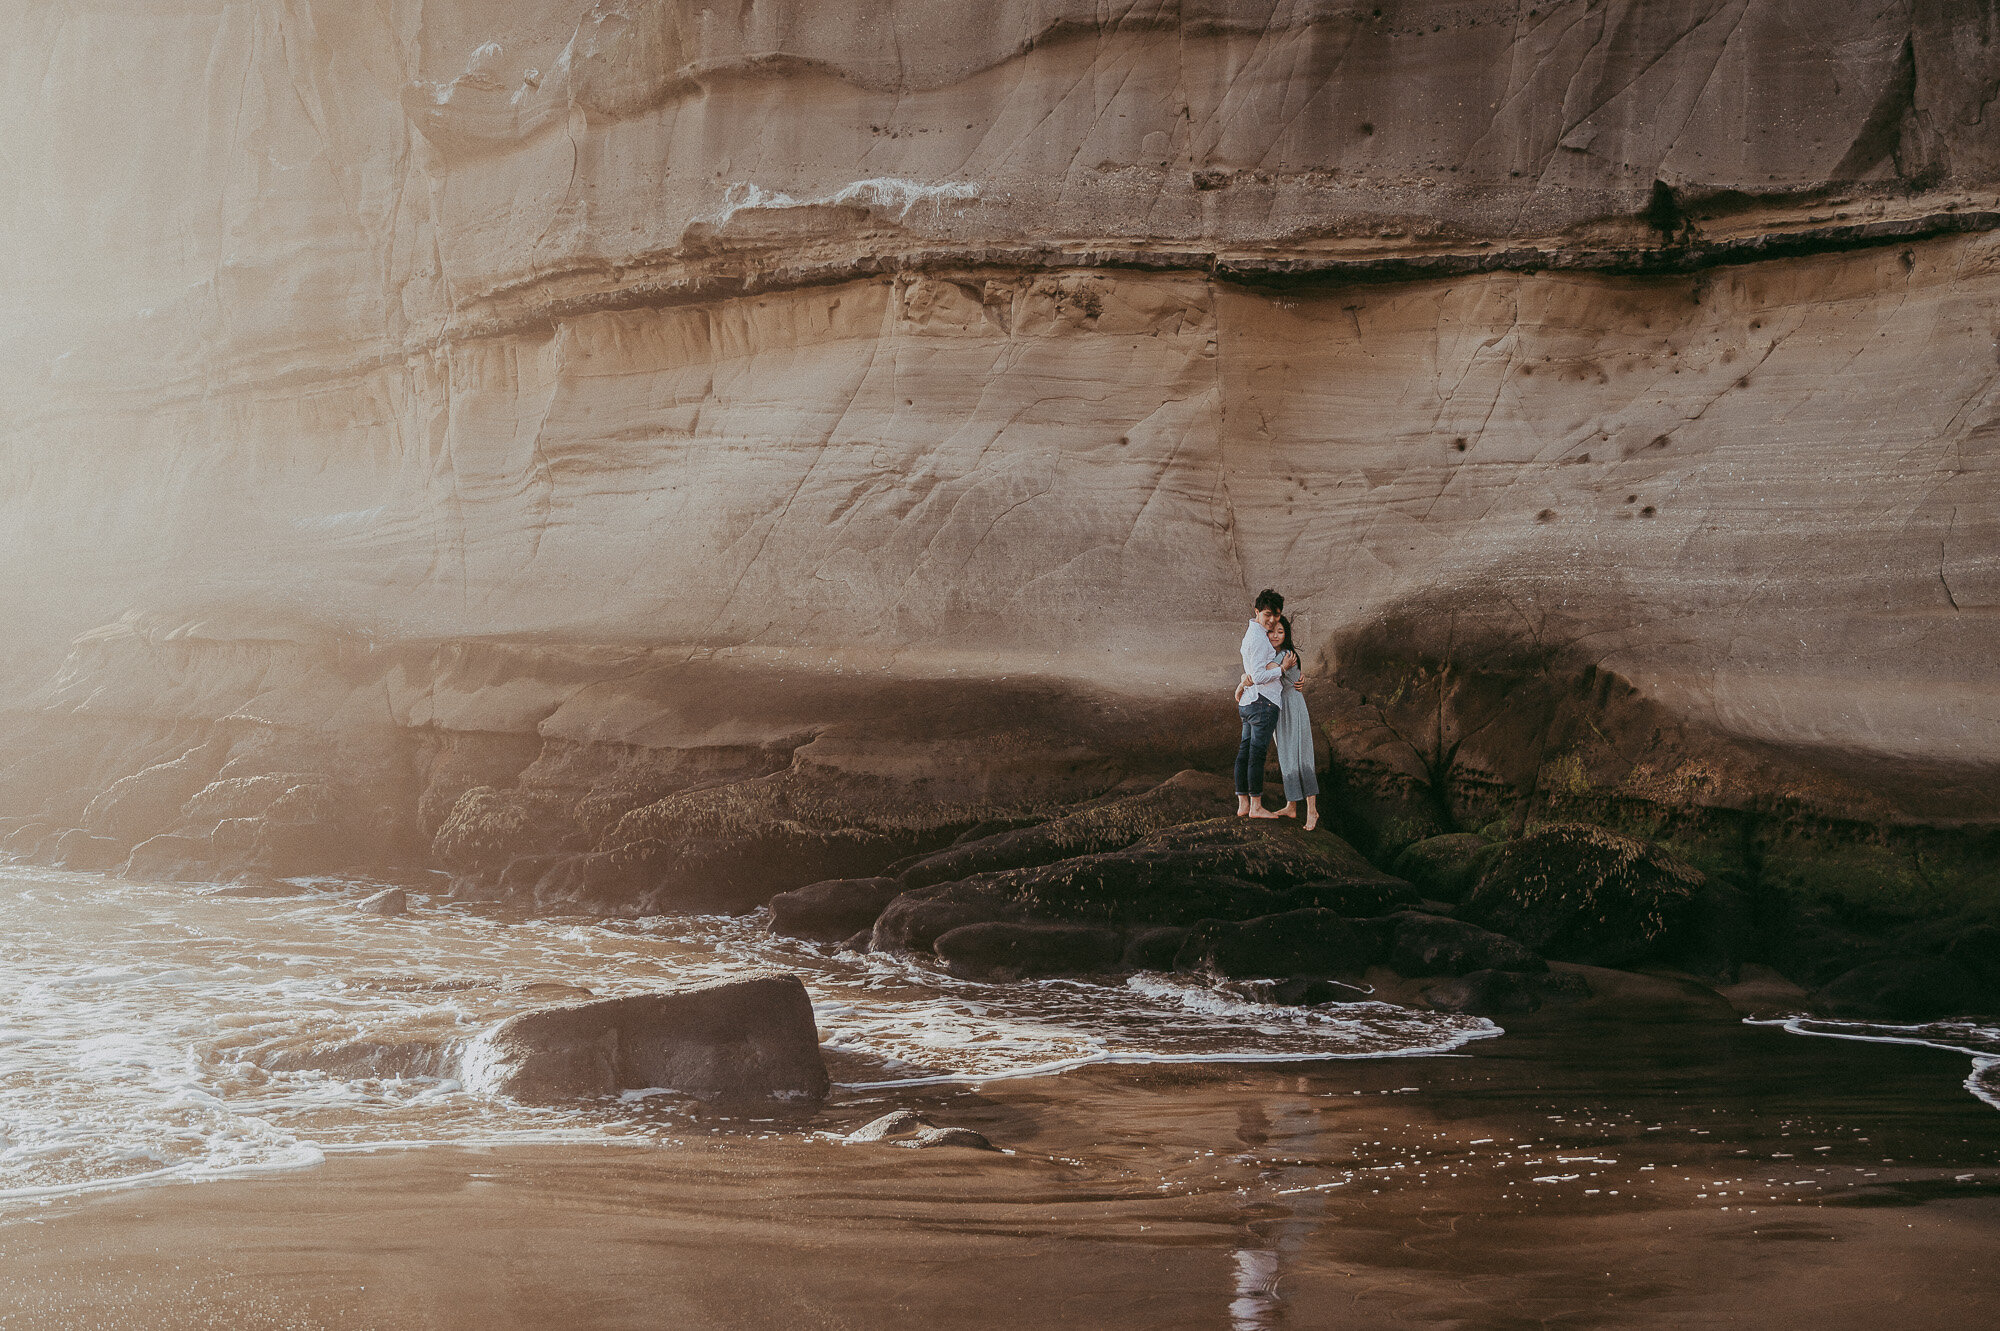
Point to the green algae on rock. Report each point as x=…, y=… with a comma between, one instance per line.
x=1575, y=892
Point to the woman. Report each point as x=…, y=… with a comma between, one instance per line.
x=1294, y=740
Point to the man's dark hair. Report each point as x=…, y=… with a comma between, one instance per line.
x=1269, y=600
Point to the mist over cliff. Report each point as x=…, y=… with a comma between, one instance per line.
x=548, y=425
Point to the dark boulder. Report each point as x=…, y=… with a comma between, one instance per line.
x=1185, y=797
x=1269, y=852
x=1486, y=994
x=1576, y=892
x=1223, y=868
x=739, y=1040
x=1434, y=945
x=1977, y=949
x=1810, y=944
x=1719, y=932
x=740, y=873
x=1296, y=942
x=1908, y=988
x=1354, y=896
x=1154, y=949
x=1447, y=867
x=832, y=910
x=1001, y=951
x=1114, y=891
x=914, y=920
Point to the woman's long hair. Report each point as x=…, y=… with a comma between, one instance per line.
x=1286, y=645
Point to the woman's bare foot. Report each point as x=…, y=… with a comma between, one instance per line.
x=1289, y=811
x=1312, y=813
x=1312, y=821
x=1257, y=810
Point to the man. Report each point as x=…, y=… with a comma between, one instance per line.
x=1259, y=708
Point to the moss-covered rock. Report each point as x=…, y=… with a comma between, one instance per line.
x=1446, y=867
x=488, y=828
x=833, y=909
x=1293, y=943
x=1004, y=951
x=1354, y=896
x=1111, y=825
x=1222, y=868
x=1908, y=988
x=1576, y=892
x=1420, y=944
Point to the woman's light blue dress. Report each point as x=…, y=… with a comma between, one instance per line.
x=1294, y=742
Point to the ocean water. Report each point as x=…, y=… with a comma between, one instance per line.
x=172, y=1031
x=1980, y=1043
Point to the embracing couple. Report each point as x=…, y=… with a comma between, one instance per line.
x=1271, y=702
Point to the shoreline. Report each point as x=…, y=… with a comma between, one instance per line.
x=1555, y=1174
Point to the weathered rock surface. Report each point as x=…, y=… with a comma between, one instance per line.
x=78, y=849
x=1581, y=893
x=169, y=856
x=1431, y=945
x=1503, y=993
x=749, y=1039
x=1447, y=867
x=1908, y=988
x=652, y=455
x=1293, y=943
x=1185, y=797
x=833, y=910
x=1001, y=951
x=1222, y=868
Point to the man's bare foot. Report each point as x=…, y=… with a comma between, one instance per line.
x=1242, y=808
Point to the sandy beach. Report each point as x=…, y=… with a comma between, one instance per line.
x=1673, y=1174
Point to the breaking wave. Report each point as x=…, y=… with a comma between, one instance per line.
x=172, y=1032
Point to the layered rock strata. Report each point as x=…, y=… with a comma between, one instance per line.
x=648, y=455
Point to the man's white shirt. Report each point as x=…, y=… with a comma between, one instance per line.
x=1260, y=662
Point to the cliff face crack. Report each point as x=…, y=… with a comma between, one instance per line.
x=1944, y=548
x=540, y=475
x=1635, y=17
x=805, y=477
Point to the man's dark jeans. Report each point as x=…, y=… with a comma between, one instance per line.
x=1260, y=718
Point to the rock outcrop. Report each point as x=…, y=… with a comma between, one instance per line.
x=646, y=456
x=738, y=1040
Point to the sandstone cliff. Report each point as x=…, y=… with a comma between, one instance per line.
x=556, y=428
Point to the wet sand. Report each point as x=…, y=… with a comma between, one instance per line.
x=1690, y=1174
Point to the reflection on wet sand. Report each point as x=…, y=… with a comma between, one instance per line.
x=1377, y=1194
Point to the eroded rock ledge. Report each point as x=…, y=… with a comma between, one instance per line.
x=650, y=456
x=1021, y=828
